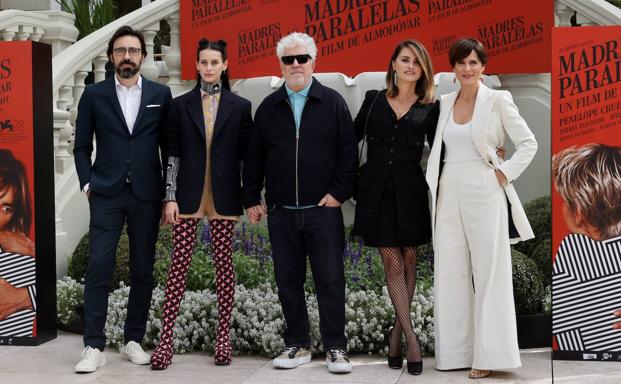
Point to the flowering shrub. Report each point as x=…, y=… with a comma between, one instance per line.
x=69, y=294
x=257, y=322
x=252, y=258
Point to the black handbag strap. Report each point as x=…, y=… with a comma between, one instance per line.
x=366, y=123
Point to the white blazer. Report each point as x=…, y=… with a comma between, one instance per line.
x=494, y=115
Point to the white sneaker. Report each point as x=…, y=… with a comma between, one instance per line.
x=92, y=358
x=337, y=361
x=133, y=352
x=292, y=357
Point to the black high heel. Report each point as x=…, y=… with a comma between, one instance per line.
x=393, y=362
x=416, y=367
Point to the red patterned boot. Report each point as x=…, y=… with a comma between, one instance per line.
x=222, y=235
x=184, y=235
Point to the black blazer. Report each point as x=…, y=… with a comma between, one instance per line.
x=120, y=153
x=186, y=140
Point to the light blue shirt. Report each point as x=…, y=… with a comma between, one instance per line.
x=298, y=99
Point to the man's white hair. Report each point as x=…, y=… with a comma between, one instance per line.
x=295, y=39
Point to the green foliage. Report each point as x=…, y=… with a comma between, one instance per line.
x=78, y=262
x=529, y=289
x=90, y=15
x=542, y=256
x=539, y=213
x=252, y=261
x=616, y=3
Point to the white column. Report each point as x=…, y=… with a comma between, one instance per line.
x=148, y=68
x=64, y=159
x=24, y=33
x=173, y=57
x=8, y=34
x=562, y=14
x=100, y=67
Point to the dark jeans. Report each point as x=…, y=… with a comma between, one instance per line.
x=108, y=215
x=319, y=233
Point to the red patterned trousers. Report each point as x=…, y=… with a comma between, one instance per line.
x=184, y=237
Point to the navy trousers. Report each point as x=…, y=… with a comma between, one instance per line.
x=108, y=216
x=319, y=233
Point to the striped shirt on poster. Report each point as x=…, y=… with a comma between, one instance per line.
x=586, y=286
x=19, y=271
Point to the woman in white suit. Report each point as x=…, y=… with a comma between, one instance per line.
x=476, y=213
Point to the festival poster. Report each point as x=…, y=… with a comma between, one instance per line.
x=355, y=36
x=586, y=243
x=26, y=192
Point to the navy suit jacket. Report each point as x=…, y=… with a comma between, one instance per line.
x=186, y=140
x=120, y=153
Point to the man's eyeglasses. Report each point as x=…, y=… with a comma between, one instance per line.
x=302, y=59
x=121, y=51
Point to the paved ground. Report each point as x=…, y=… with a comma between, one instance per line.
x=52, y=363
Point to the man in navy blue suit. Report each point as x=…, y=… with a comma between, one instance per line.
x=126, y=114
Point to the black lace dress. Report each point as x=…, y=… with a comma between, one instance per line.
x=392, y=206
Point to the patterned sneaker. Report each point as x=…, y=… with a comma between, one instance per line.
x=292, y=357
x=337, y=361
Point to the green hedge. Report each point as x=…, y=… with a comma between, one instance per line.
x=539, y=213
x=529, y=288
x=363, y=267
x=252, y=261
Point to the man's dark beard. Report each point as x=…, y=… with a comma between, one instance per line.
x=127, y=72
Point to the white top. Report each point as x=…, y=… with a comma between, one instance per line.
x=129, y=98
x=458, y=142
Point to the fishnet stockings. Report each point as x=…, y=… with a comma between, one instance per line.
x=400, y=270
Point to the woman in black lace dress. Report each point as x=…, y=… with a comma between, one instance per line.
x=392, y=208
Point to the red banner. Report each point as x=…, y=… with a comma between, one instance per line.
x=586, y=112
x=27, y=220
x=16, y=125
x=16, y=177
x=586, y=95
x=355, y=36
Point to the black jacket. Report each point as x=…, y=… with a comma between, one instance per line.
x=300, y=171
x=394, y=150
x=120, y=153
x=186, y=140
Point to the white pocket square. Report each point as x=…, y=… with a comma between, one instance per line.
x=153, y=105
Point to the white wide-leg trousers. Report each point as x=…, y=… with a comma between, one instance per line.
x=474, y=313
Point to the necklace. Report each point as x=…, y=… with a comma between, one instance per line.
x=402, y=107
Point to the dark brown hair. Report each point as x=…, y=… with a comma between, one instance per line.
x=462, y=48
x=13, y=176
x=220, y=46
x=424, y=86
x=127, y=31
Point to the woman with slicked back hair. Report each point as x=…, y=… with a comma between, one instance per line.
x=208, y=130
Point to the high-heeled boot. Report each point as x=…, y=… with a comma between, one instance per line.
x=184, y=234
x=222, y=233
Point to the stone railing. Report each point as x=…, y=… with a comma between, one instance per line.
x=52, y=27
x=592, y=12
